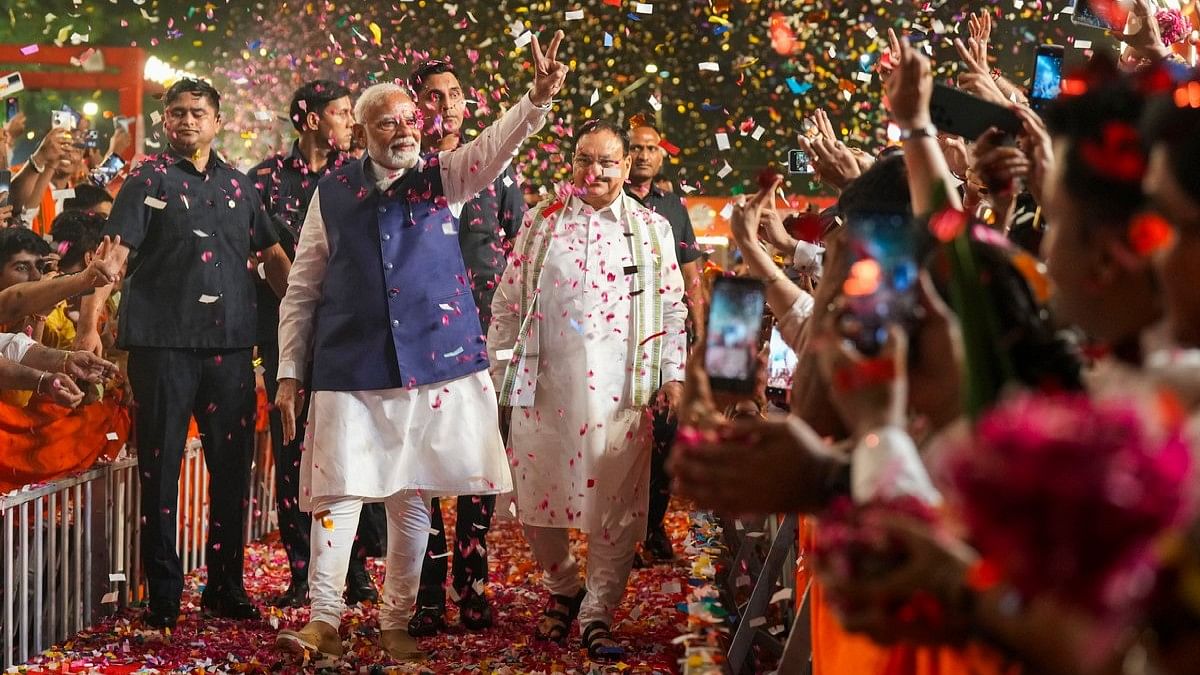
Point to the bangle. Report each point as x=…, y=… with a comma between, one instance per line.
x=41, y=379
x=34, y=164
x=66, y=357
x=927, y=131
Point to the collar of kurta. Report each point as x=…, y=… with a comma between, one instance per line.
x=381, y=178
x=577, y=206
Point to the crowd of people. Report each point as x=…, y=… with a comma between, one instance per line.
x=992, y=423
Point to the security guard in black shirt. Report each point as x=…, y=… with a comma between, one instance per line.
x=190, y=223
x=645, y=146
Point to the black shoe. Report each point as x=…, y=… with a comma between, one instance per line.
x=657, y=547
x=160, y=617
x=427, y=621
x=359, y=587
x=475, y=612
x=229, y=605
x=295, y=596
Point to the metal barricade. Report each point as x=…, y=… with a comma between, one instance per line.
x=71, y=547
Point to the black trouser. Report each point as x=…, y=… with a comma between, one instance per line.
x=660, y=482
x=217, y=388
x=474, y=519
x=473, y=516
x=294, y=524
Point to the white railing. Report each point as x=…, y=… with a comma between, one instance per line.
x=71, y=550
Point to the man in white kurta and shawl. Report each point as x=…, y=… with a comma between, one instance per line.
x=587, y=332
x=403, y=409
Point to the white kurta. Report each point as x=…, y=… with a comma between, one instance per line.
x=581, y=453
x=442, y=438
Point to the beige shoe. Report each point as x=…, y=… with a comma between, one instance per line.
x=400, y=645
x=316, y=637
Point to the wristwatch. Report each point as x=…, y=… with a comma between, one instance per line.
x=927, y=131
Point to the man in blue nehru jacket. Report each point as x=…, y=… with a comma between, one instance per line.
x=402, y=407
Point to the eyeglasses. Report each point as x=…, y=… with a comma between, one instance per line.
x=585, y=162
x=388, y=125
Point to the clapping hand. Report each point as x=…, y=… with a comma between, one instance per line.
x=549, y=73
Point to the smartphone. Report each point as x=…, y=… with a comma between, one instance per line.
x=5, y=186
x=735, y=318
x=12, y=108
x=1086, y=15
x=62, y=119
x=91, y=139
x=881, y=283
x=959, y=113
x=108, y=170
x=11, y=84
x=1047, y=76
x=781, y=366
x=799, y=162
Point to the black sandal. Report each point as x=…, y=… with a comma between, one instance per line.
x=556, y=623
x=601, y=646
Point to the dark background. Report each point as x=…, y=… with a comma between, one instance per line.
x=257, y=53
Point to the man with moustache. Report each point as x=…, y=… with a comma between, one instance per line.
x=402, y=409
x=188, y=322
x=321, y=113
x=487, y=223
x=589, y=320
x=646, y=148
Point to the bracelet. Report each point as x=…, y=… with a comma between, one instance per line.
x=66, y=357
x=33, y=163
x=927, y=131
x=41, y=379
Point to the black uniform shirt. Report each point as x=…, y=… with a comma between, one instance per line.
x=189, y=282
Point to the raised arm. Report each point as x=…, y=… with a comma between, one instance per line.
x=33, y=297
x=909, y=89
x=470, y=168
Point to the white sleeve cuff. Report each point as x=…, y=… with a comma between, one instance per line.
x=290, y=370
x=14, y=346
x=885, y=464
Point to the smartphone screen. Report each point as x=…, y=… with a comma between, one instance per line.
x=781, y=363
x=735, y=318
x=881, y=284
x=5, y=186
x=1086, y=15
x=12, y=108
x=103, y=174
x=1047, y=76
x=799, y=162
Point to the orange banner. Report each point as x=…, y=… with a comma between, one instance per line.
x=710, y=214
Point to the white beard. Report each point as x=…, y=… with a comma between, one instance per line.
x=395, y=157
